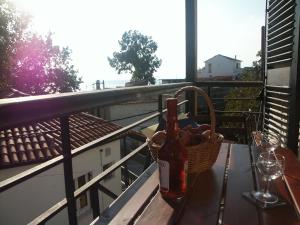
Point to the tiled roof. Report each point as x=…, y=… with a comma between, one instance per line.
x=41, y=141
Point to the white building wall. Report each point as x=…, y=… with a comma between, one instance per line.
x=24, y=202
x=220, y=66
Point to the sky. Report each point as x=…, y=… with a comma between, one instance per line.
x=92, y=28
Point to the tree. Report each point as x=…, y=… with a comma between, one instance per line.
x=248, y=74
x=30, y=62
x=12, y=27
x=136, y=56
x=40, y=67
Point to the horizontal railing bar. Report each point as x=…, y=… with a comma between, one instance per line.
x=10, y=182
x=220, y=118
x=59, y=206
x=130, y=172
x=19, y=178
x=101, y=140
x=48, y=214
x=44, y=217
x=239, y=99
x=109, y=170
x=229, y=83
x=245, y=112
x=55, y=105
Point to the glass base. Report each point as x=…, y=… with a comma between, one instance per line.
x=265, y=197
x=250, y=197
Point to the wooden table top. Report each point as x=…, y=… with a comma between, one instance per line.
x=215, y=197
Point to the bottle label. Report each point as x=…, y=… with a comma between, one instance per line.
x=164, y=170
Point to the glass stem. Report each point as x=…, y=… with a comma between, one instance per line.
x=266, y=190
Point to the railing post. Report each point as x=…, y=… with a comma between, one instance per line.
x=191, y=50
x=208, y=91
x=68, y=170
x=94, y=197
x=125, y=152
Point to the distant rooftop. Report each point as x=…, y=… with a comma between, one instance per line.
x=224, y=57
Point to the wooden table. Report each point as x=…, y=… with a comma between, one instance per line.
x=215, y=197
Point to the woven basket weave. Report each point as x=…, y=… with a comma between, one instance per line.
x=201, y=157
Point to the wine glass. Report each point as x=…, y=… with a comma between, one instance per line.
x=270, y=166
x=268, y=141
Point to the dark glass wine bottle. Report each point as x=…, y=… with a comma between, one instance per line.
x=172, y=158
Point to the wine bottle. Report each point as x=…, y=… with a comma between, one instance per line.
x=172, y=158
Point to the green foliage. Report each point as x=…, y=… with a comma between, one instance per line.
x=12, y=26
x=248, y=74
x=136, y=56
x=40, y=67
x=30, y=62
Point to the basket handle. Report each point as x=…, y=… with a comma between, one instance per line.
x=208, y=102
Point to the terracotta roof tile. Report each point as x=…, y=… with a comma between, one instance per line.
x=4, y=160
x=41, y=141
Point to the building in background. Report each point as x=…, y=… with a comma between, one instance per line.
x=220, y=67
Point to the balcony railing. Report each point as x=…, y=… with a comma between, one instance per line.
x=62, y=106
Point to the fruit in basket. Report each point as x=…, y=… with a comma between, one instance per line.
x=195, y=136
x=184, y=137
x=203, y=127
x=206, y=134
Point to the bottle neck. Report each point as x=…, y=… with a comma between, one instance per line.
x=172, y=123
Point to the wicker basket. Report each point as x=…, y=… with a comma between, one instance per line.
x=201, y=157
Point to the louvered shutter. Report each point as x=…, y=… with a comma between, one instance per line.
x=281, y=26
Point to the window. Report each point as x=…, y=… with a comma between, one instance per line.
x=79, y=182
x=89, y=176
x=105, y=167
x=209, y=67
x=237, y=65
x=83, y=198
